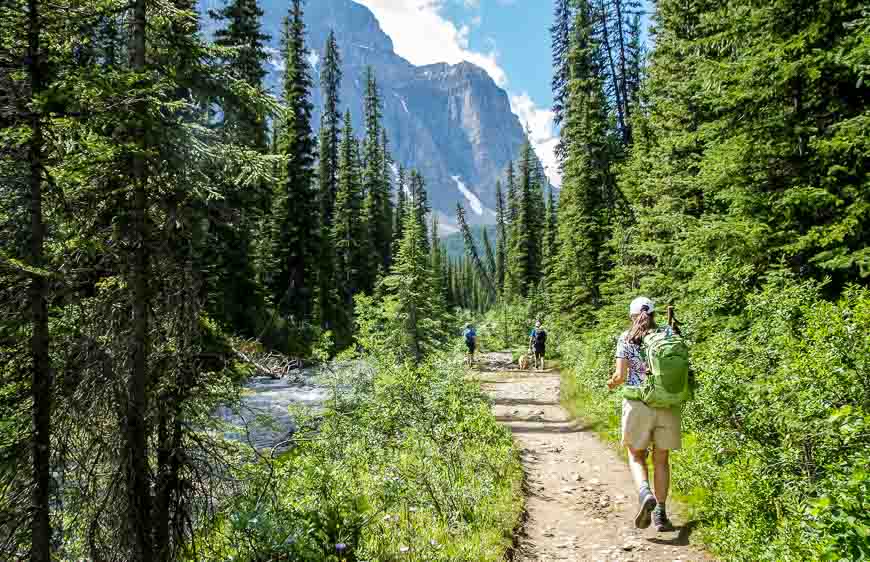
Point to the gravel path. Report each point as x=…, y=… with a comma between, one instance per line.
x=580, y=498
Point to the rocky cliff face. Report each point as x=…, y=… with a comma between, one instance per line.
x=451, y=122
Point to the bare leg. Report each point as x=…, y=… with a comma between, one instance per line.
x=662, y=474
x=637, y=464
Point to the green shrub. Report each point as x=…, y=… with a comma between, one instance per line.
x=404, y=462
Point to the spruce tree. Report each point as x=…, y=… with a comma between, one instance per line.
x=411, y=286
x=512, y=201
x=242, y=33
x=560, y=34
x=401, y=208
x=374, y=186
x=471, y=251
x=578, y=268
x=294, y=247
x=330, y=124
x=41, y=373
x=419, y=200
x=235, y=297
x=436, y=263
x=488, y=251
x=551, y=230
x=525, y=255
x=387, y=180
x=349, y=229
x=501, y=237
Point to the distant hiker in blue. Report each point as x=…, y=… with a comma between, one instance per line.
x=470, y=342
x=538, y=344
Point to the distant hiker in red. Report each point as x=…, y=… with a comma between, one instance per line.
x=650, y=418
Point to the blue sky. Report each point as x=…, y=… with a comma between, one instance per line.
x=510, y=39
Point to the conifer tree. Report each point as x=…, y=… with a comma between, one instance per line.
x=401, y=208
x=242, y=32
x=560, y=34
x=374, y=185
x=411, y=286
x=41, y=373
x=387, y=182
x=501, y=237
x=551, y=229
x=512, y=202
x=419, y=200
x=235, y=295
x=471, y=251
x=294, y=246
x=439, y=281
x=330, y=124
x=349, y=229
x=524, y=255
x=490, y=255
x=578, y=268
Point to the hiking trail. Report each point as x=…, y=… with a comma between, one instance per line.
x=580, y=498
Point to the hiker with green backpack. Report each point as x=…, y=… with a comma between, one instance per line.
x=653, y=363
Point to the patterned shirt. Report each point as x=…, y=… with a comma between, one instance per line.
x=637, y=367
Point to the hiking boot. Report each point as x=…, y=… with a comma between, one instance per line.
x=647, y=505
x=661, y=521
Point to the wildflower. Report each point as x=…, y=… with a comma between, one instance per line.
x=404, y=549
x=341, y=547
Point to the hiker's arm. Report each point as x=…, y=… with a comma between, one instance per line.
x=619, y=376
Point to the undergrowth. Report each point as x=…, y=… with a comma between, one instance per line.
x=405, y=463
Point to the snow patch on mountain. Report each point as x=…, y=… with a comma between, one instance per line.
x=404, y=105
x=472, y=199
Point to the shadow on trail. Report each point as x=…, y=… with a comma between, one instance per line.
x=515, y=419
x=682, y=538
x=523, y=402
x=538, y=428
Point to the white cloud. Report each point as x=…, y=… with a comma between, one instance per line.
x=542, y=133
x=423, y=36
x=313, y=59
x=276, y=60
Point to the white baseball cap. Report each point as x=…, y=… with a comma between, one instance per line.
x=639, y=303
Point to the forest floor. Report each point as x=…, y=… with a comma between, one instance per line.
x=580, y=499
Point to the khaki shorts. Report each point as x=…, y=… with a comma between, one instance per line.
x=643, y=425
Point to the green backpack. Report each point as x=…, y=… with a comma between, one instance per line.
x=667, y=381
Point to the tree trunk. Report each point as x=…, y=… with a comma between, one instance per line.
x=41, y=364
x=616, y=88
x=136, y=430
x=623, y=79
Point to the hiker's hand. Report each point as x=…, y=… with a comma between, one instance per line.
x=614, y=381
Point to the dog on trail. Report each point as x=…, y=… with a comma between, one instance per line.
x=524, y=362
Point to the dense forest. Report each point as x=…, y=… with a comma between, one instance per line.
x=165, y=223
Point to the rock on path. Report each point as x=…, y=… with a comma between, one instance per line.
x=580, y=497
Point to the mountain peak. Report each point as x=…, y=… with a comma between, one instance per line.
x=449, y=121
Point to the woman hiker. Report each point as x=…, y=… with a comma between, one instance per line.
x=642, y=425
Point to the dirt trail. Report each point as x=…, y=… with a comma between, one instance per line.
x=580, y=500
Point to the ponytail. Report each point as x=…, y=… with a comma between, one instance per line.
x=643, y=323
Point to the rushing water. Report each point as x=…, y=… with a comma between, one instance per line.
x=263, y=418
